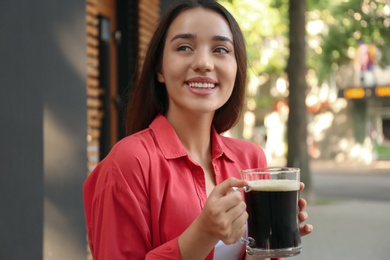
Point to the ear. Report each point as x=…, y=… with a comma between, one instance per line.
x=160, y=77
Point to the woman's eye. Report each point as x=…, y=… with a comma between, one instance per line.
x=184, y=48
x=221, y=50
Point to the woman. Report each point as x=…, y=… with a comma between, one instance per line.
x=165, y=191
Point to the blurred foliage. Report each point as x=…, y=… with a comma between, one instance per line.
x=383, y=151
x=350, y=23
x=264, y=31
x=346, y=23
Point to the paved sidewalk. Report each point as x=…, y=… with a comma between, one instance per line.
x=348, y=230
x=382, y=166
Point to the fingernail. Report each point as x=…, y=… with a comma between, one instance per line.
x=309, y=228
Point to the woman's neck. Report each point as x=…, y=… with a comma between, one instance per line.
x=194, y=131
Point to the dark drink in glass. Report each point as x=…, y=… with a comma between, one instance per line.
x=272, y=206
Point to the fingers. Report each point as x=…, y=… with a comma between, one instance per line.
x=302, y=204
x=303, y=216
x=306, y=229
x=302, y=186
x=225, y=211
x=226, y=186
x=237, y=226
x=225, y=195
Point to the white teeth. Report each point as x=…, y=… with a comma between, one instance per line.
x=201, y=85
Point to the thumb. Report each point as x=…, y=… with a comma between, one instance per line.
x=224, y=187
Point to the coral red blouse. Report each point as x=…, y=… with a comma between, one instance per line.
x=148, y=190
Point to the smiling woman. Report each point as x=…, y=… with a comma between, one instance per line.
x=165, y=190
x=154, y=91
x=198, y=68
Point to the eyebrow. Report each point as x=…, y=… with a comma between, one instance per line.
x=190, y=36
x=187, y=36
x=221, y=38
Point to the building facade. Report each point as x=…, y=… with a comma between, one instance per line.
x=65, y=69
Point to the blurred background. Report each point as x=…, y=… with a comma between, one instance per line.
x=318, y=98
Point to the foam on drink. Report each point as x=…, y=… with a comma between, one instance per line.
x=274, y=185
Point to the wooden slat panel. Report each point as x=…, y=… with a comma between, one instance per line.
x=95, y=133
x=92, y=72
x=94, y=143
x=149, y=13
x=94, y=103
x=147, y=25
x=93, y=154
x=92, y=61
x=92, y=41
x=93, y=122
x=92, y=31
x=92, y=51
x=91, y=9
x=94, y=114
x=153, y=5
x=92, y=20
x=94, y=92
x=144, y=37
x=92, y=82
x=148, y=19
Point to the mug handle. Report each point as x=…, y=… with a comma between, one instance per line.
x=248, y=242
x=246, y=188
x=245, y=241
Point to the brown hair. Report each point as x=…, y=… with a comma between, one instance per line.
x=149, y=97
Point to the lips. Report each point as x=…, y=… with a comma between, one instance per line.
x=202, y=86
x=201, y=83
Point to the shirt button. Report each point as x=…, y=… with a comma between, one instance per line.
x=216, y=167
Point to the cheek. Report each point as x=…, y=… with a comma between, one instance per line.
x=231, y=72
x=172, y=69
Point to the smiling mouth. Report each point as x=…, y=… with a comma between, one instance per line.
x=200, y=85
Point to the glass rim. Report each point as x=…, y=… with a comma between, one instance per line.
x=271, y=170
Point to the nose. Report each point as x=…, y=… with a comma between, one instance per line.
x=203, y=61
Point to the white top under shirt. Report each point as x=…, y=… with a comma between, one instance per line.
x=228, y=252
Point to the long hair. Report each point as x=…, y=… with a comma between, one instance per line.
x=149, y=96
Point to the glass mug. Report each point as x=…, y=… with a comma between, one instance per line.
x=272, y=205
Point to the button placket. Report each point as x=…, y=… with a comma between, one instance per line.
x=199, y=182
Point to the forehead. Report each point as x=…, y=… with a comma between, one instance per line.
x=201, y=22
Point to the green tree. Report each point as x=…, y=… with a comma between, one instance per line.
x=297, y=155
x=349, y=23
x=344, y=25
x=294, y=28
x=260, y=24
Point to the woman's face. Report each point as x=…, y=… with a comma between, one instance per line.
x=199, y=65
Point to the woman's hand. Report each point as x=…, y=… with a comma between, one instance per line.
x=302, y=215
x=224, y=215
x=223, y=218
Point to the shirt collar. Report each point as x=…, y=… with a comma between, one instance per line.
x=218, y=146
x=171, y=146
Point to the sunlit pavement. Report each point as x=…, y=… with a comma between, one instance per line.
x=348, y=228
x=327, y=164
x=316, y=165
